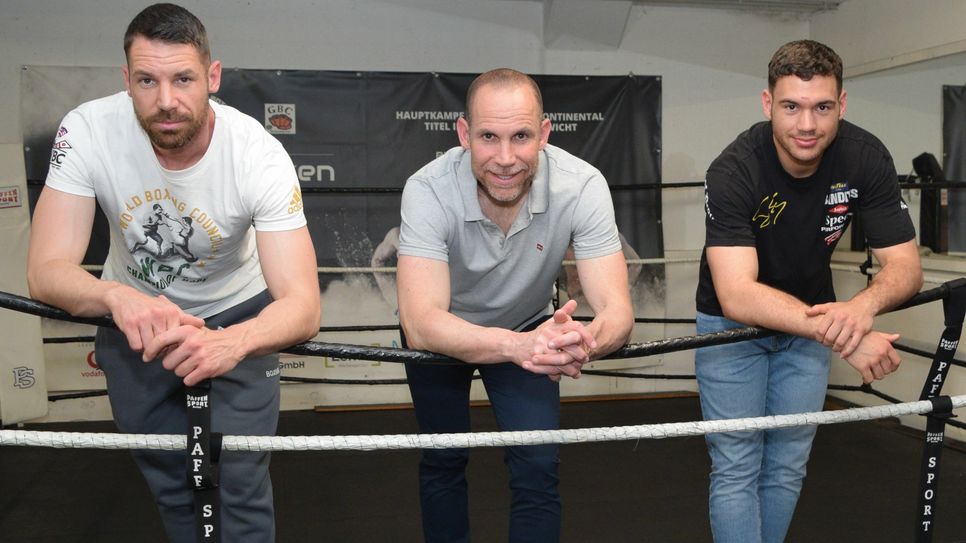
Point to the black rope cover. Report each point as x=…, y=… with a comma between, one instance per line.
x=954, y=311
x=390, y=354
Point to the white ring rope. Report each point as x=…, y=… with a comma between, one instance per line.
x=83, y=440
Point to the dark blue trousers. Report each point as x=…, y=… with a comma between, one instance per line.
x=521, y=401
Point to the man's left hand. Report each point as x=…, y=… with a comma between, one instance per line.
x=196, y=354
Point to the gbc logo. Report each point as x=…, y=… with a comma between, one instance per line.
x=315, y=172
x=57, y=157
x=280, y=118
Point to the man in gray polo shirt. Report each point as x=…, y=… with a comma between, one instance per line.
x=484, y=230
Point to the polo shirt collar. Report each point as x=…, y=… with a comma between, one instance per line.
x=537, y=201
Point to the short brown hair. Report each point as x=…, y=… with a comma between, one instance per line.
x=169, y=23
x=502, y=77
x=804, y=59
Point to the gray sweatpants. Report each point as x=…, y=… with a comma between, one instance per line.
x=146, y=398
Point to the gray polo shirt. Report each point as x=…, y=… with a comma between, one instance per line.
x=502, y=280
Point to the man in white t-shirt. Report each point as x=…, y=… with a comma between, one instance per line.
x=210, y=272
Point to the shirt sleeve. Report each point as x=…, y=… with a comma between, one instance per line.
x=424, y=230
x=885, y=217
x=278, y=199
x=727, y=210
x=70, y=169
x=595, y=230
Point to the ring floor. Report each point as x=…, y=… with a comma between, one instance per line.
x=862, y=485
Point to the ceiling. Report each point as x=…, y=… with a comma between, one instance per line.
x=802, y=7
x=601, y=23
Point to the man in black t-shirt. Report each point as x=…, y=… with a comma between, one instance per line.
x=777, y=200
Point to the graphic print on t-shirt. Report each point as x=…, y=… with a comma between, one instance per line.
x=167, y=238
x=769, y=209
x=837, y=211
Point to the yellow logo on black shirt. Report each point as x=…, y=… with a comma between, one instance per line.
x=768, y=210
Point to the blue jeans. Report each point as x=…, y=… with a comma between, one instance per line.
x=756, y=477
x=521, y=401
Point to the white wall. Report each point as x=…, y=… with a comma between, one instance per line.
x=873, y=33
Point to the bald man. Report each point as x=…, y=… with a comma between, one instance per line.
x=484, y=230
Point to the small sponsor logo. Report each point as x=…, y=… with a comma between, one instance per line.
x=833, y=237
x=57, y=158
x=539, y=246
x=838, y=210
x=62, y=131
x=10, y=197
x=295, y=204
x=62, y=144
x=840, y=193
x=315, y=172
x=280, y=118
x=196, y=402
x=23, y=377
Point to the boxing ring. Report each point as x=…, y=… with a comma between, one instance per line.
x=937, y=407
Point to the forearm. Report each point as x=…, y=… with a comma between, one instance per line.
x=283, y=323
x=442, y=332
x=68, y=286
x=893, y=284
x=611, y=329
x=758, y=304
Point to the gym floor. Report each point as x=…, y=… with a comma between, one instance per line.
x=862, y=485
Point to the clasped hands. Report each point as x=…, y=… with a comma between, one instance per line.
x=846, y=327
x=157, y=328
x=560, y=346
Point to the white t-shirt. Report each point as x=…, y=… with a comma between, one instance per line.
x=186, y=234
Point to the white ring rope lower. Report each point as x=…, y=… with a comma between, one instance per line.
x=83, y=440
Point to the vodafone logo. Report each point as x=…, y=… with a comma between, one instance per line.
x=91, y=362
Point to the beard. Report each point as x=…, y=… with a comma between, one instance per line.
x=172, y=139
x=506, y=195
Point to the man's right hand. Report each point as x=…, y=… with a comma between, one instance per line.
x=141, y=317
x=875, y=357
x=559, y=346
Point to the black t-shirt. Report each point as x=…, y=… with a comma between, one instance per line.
x=794, y=224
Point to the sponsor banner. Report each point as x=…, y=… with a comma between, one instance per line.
x=23, y=386
x=73, y=366
x=10, y=197
x=374, y=129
